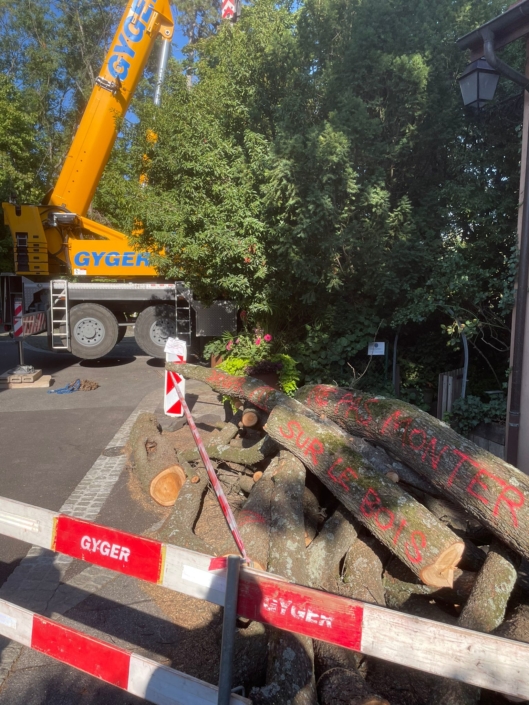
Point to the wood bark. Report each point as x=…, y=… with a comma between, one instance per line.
x=483, y=612
x=154, y=461
x=403, y=525
x=398, y=592
x=328, y=549
x=340, y=686
x=290, y=673
x=243, y=456
x=324, y=558
x=362, y=573
x=178, y=528
x=496, y=493
x=255, y=518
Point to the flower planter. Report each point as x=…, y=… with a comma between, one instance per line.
x=270, y=378
x=215, y=360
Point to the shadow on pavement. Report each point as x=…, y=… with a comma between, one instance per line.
x=107, y=361
x=36, y=679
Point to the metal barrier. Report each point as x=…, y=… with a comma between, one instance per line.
x=478, y=659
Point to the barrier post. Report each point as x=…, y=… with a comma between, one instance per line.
x=18, y=333
x=228, y=629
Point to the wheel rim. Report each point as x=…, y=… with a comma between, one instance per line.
x=89, y=332
x=162, y=329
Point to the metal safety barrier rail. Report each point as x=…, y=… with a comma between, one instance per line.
x=136, y=674
x=472, y=657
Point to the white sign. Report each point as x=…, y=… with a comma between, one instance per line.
x=376, y=349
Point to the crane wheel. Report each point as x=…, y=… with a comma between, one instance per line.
x=153, y=326
x=93, y=331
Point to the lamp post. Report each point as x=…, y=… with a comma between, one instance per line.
x=478, y=83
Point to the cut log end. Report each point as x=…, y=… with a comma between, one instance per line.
x=250, y=418
x=257, y=476
x=441, y=573
x=166, y=486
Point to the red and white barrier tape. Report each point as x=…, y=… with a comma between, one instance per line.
x=137, y=675
x=226, y=509
x=444, y=650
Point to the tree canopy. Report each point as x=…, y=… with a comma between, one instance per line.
x=313, y=163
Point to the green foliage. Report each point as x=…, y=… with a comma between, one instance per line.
x=467, y=413
x=285, y=366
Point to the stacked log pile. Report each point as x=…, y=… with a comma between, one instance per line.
x=366, y=497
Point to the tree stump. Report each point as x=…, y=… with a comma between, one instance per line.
x=153, y=460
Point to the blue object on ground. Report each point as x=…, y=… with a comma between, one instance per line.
x=68, y=389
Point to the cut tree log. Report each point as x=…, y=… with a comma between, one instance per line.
x=362, y=573
x=496, y=493
x=252, y=417
x=290, y=672
x=178, y=528
x=153, y=460
x=166, y=486
x=340, y=686
x=243, y=456
x=403, y=525
x=326, y=552
x=254, y=519
x=398, y=592
x=484, y=611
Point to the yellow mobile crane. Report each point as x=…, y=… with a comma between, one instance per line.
x=56, y=239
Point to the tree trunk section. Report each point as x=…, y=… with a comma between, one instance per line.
x=254, y=520
x=496, y=493
x=483, y=612
x=227, y=453
x=403, y=525
x=290, y=674
x=328, y=549
x=178, y=528
x=153, y=460
x=341, y=686
x=362, y=574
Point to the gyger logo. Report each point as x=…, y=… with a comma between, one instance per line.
x=113, y=550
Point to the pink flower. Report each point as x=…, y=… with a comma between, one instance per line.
x=229, y=345
x=268, y=337
x=237, y=341
x=243, y=315
x=258, y=341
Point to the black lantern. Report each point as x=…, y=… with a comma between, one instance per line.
x=478, y=83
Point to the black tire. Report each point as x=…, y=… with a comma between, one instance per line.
x=153, y=326
x=93, y=331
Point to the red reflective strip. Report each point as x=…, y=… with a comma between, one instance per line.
x=117, y=550
x=99, y=659
x=301, y=610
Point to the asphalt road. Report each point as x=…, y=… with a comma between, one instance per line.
x=48, y=442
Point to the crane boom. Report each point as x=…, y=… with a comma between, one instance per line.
x=142, y=21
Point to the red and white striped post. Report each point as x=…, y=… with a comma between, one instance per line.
x=18, y=333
